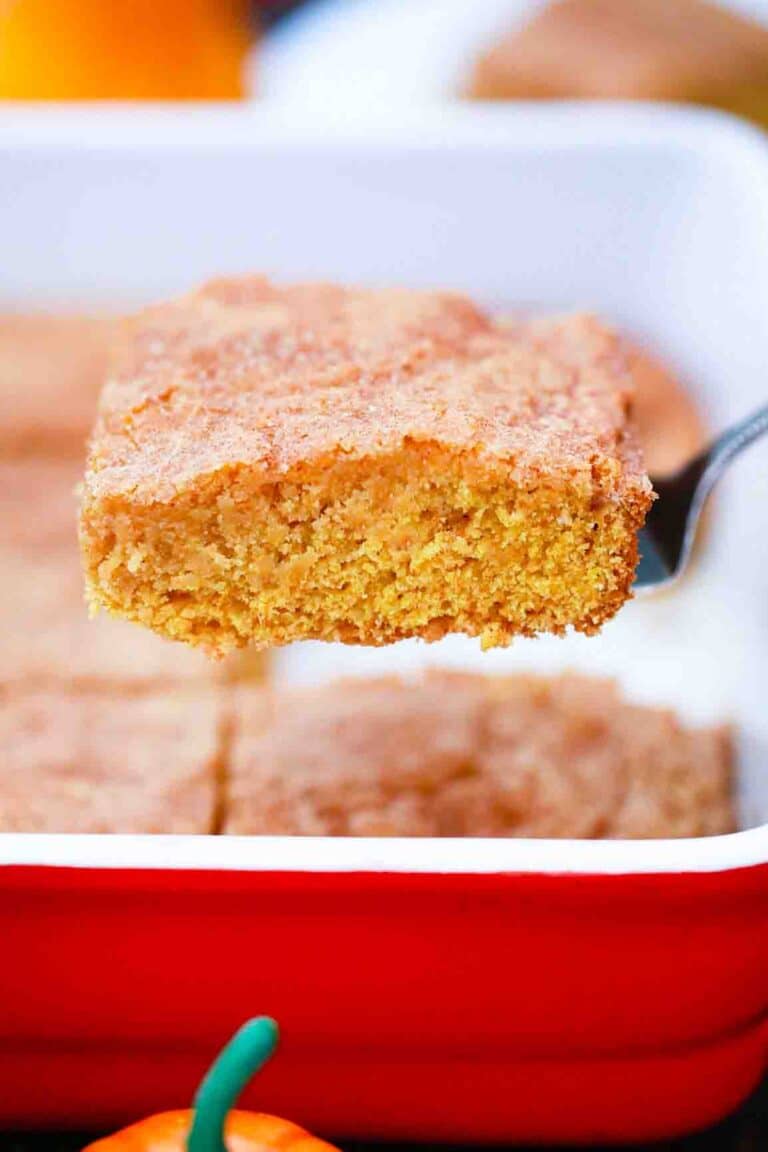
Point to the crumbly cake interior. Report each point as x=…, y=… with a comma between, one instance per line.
x=415, y=544
x=463, y=755
x=411, y=471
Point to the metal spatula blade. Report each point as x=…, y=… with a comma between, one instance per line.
x=670, y=527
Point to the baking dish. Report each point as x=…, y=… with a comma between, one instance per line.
x=474, y=990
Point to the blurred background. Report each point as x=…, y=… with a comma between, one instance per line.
x=358, y=57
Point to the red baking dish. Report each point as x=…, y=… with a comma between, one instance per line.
x=466, y=1004
x=436, y=990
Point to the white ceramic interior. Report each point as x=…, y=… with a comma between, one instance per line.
x=656, y=218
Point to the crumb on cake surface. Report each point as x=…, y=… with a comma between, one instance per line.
x=73, y=762
x=686, y=50
x=455, y=754
x=667, y=419
x=281, y=463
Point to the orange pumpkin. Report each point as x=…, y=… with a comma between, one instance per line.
x=211, y=1126
x=144, y=50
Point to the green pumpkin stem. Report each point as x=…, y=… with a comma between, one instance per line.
x=225, y=1080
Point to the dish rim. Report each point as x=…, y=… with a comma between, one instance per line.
x=417, y=856
x=121, y=127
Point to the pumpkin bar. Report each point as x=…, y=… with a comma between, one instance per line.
x=96, y=763
x=465, y=755
x=688, y=51
x=313, y=462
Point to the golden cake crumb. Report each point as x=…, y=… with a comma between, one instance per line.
x=464, y=755
x=688, y=51
x=95, y=763
x=313, y=462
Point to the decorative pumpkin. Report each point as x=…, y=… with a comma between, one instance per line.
x=144, y=50
x=211, y=1126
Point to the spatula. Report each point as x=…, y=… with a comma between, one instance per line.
x=670, y=528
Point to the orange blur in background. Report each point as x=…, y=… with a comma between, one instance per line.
x=141, y=49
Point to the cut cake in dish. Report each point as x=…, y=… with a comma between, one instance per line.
x=86, y=762
x=454, y=754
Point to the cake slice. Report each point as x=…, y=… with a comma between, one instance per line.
x=688, y=51
x=313, y=462
x=466, y=755
x=74, y=762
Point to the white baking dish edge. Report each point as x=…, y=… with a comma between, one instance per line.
x=212, y=129
x=399, y=855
